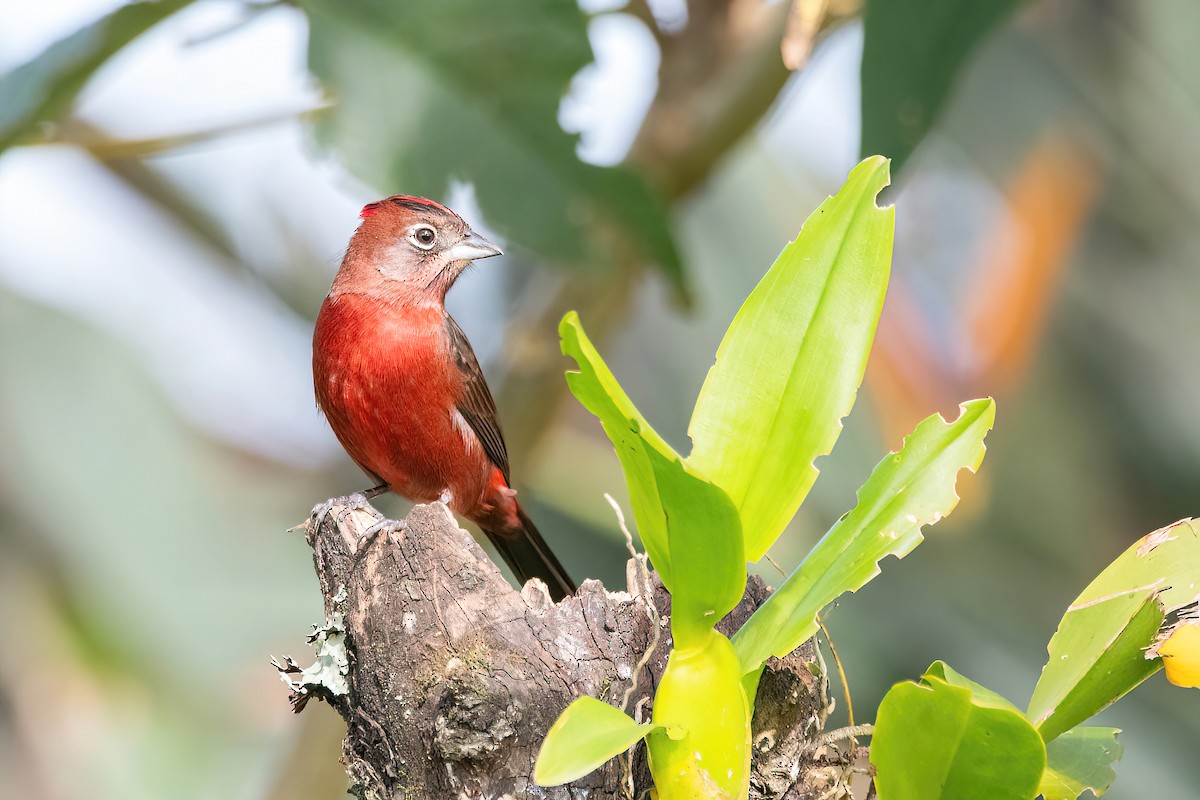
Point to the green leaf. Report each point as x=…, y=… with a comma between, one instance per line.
x=1080, y=760
x=942, y=671
x=1167, y=559
x=907, y=490
x=43, y=89
x=1095, y=659
x=1097, y=654
x=458, y=90
x=912, y=52
x=584, y=737
x=935, y=740
x=708, y=573
x=790, y=364
x=688, y=525
x=632, y=437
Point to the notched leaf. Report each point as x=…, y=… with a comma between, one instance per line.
x=801, y=341
x=907, y=490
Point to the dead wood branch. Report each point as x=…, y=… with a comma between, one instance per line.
x=448, y=678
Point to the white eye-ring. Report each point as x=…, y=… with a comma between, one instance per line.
x=423, y=236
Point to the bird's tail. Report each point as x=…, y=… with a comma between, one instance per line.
x=528, y=556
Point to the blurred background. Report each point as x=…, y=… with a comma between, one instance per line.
x=178, y=180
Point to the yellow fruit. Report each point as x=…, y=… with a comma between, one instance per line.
x=1181, y=655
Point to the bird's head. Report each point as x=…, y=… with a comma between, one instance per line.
x=409, y=248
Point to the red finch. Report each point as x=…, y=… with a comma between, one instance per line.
x=401, y=387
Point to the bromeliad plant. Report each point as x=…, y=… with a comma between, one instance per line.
x=786, y=374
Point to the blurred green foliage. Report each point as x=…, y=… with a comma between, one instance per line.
x=141, y=547
x=913, y=51
x=432, y=93
x=43, y=89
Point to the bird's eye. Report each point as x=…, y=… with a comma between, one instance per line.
x=424, y=237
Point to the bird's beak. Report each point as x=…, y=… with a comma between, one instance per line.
x=472, y=247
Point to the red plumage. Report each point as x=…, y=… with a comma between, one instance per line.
x=401, y=387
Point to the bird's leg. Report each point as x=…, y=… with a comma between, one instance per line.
x=375, y=491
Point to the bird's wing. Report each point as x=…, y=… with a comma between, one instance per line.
x=477, y=406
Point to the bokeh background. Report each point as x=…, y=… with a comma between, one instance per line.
x=178, y=180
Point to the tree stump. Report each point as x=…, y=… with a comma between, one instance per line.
x=448, y=678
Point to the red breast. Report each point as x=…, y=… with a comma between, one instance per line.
x=386, y=380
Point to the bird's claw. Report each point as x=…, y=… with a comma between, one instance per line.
x=387, y=526
x=356, y=501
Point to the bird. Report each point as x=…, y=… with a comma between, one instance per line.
x=401, y=387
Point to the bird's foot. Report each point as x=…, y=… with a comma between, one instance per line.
x=356, y=501
x=384, y=526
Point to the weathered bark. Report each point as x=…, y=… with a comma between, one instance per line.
x=452, y=677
